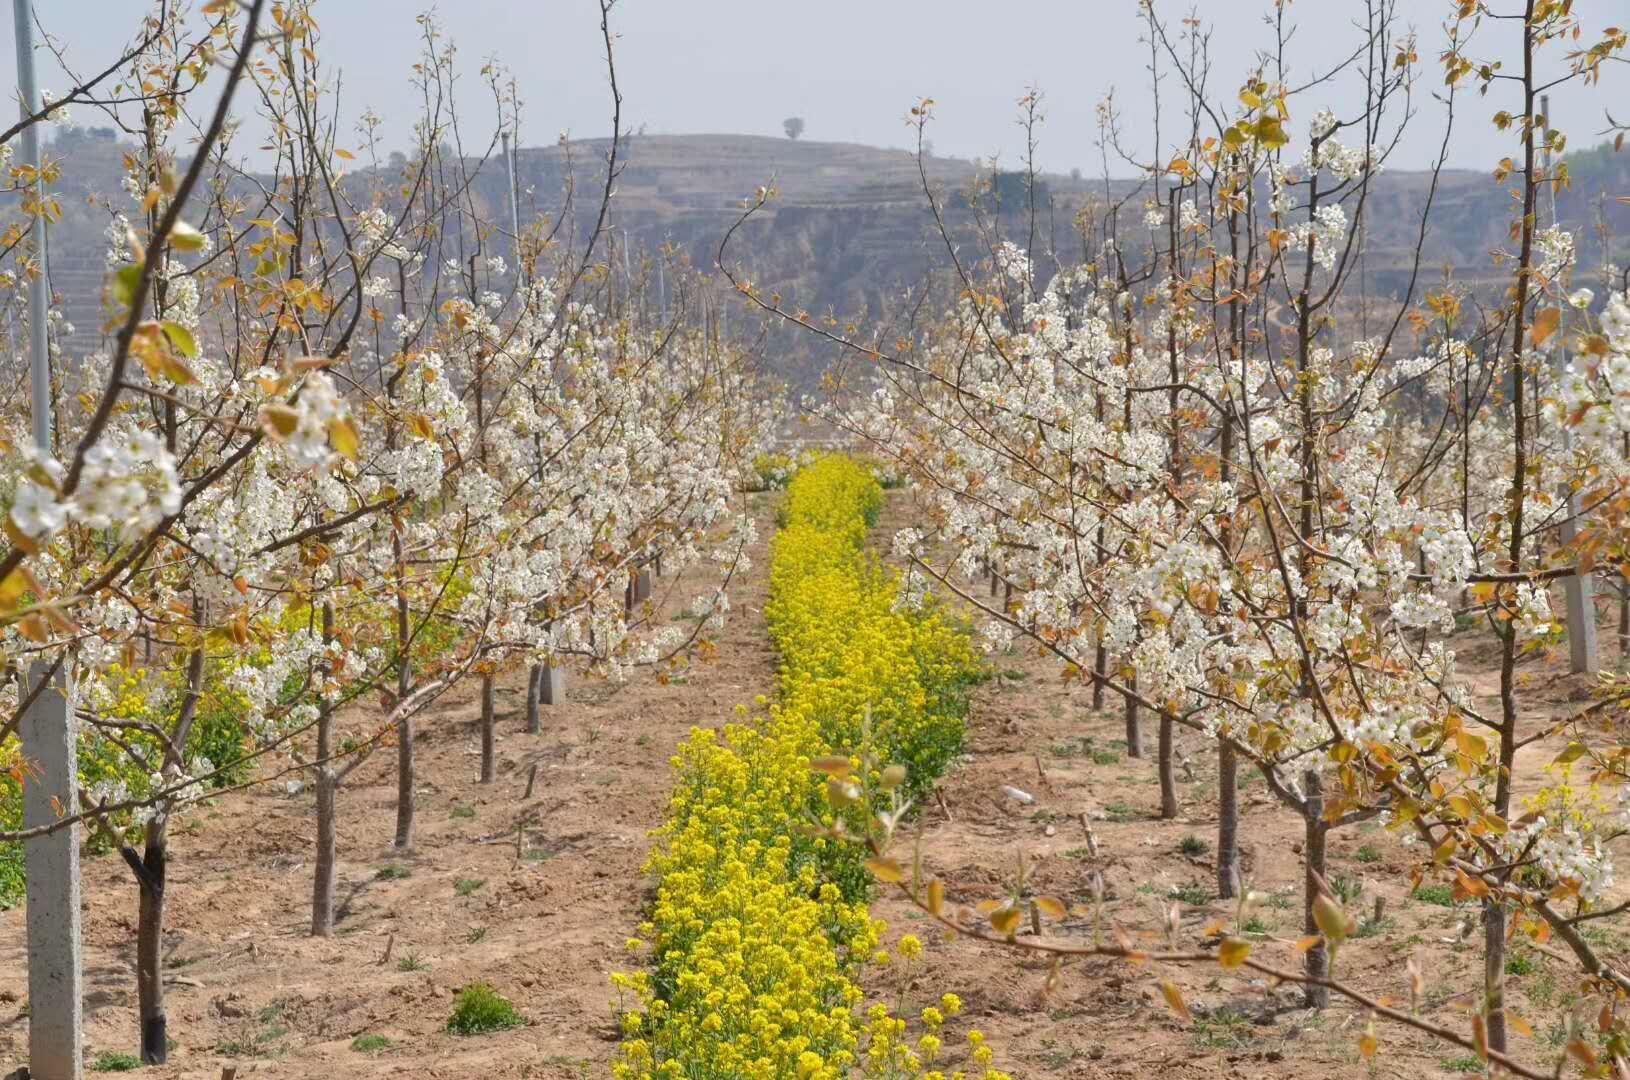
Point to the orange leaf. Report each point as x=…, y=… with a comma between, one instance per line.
x=1174, y=998
x=1545, y=324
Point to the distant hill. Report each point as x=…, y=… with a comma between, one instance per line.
x=850, y=227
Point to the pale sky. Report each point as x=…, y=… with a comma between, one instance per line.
x=852, y=68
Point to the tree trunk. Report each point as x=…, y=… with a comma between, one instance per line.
x=322, y=888
x=489, y=714
x=533, y=689
x=404, y=727
x=150, y=947
x=322, y=883
x=404, y=784
x=1100, y=662
x=1624, y=624
x=1168, y=781
x=1134, y=737
x=1227, y=821
x=1318, y=958
x=1494, y=928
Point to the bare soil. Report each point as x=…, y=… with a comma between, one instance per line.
x=546, y=925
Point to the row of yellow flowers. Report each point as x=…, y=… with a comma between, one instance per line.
x=760, y=924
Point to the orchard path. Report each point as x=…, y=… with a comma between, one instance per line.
x=250, y=988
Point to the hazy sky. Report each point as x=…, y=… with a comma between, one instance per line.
x=851, y=68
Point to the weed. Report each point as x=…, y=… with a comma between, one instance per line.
x=1223, y=1029
x=1441, y=895
x=1119, y=811
x=412, y=961
x=479, y=1009
x=1254, y=925
x=1521, y=963
x=476, y=936
x=115, y=1061
x=1346, y=887
x=392, y=872
x=1193, y=893
x=464, y=886
x=1059, y=1057
x=1193, y=846
x=1367, y=854
x=1541, y=989
x=462, y=811
x=1461, y=1064
x=370, y=1044
x=1369, y=927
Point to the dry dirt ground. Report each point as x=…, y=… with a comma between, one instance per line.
x=547, y=926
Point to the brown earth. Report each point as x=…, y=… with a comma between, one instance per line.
x=251, y=989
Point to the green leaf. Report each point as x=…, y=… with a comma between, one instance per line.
x=125, y=280
x=184, y=237
x=181, y=339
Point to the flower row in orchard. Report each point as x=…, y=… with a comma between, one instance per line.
x=761, y=927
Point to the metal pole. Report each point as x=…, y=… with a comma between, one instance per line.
x=1579, y=589
x=56, y=1032
x=514, y=205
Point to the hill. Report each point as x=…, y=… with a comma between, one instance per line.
x=850, y=227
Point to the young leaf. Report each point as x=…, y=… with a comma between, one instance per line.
x=833, y=765
x=886, y=869
x=1174, y=998
x=1545, y=324
x=186, y=238
x=343, y=434
x=181, y=339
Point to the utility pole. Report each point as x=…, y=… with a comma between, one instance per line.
x=1579, y=589
x=514, y=205
x=56, y=1037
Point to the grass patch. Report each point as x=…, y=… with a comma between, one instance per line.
x=1440, y=895
x=1193, y=893
x=476, y=936
x=393, y=872
x=1193, y=846
x=1541, y=989
x=462, y=811
x=1367, y=853
x=370, y=1044
x=115, y=1061
x=479, y=1009
x=412, y=961
x=1521, y=963
x=464, y=886
x=1461, y=1064
x=1224, y=1029
x=1119, y=811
